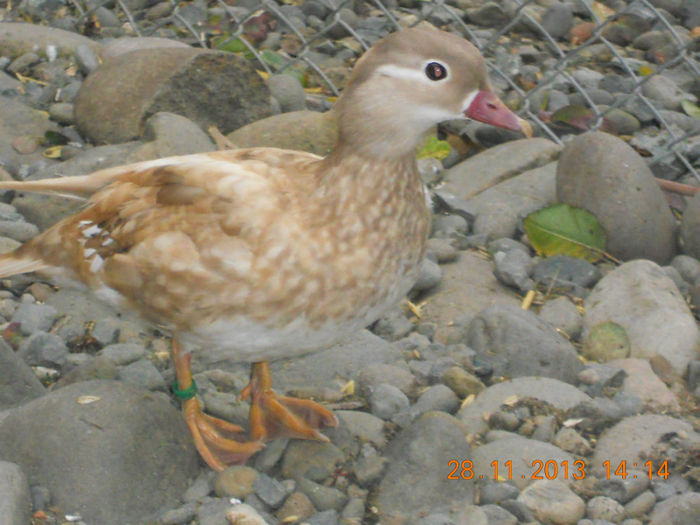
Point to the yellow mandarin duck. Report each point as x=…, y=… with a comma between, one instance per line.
x=262, y=253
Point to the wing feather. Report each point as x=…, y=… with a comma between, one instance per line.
x=174, y=235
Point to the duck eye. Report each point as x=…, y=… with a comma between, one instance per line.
x=435, y=71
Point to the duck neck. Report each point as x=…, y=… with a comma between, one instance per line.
x=352, y=175
x=378, y=130
x=378, y=201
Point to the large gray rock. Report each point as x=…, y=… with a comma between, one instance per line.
x=562, y=314
x=117, y=456
x=467, y=286
x=498, y=164
x=665, y=92
x=641, y=298
x=298, y=130
x=288, y=91
x=636, y=439
x=121, y=46
x=641, y=381
x=500, y=209
x=17, y=38
x=209, y=88
x=683, y=509
x=551, y=501
x=604, y=175
x=20, y=122
x=18, y=384
x=527, y=457
x=558, y=19
x=15, y=505
x=516, y=343
x=557, y=393
x=416, y=480
x=172, y=134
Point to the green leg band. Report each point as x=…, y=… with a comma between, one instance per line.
x=187, y=393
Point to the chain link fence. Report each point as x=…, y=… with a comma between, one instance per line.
x=536, y=50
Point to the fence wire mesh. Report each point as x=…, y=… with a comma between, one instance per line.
x=534, y=55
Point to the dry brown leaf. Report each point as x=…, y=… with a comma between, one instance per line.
x=602, y=11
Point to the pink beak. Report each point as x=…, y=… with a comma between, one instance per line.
x=488, y=108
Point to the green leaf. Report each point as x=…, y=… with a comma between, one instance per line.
x=434, y=147
x=272, y=59
x=54, y=138
x=232, y=46
x=561, y=229
x=578, y=117
x=691, y=109
x=606, y=341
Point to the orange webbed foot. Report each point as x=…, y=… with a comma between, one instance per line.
x=275, y=416
x=219, y=442
x=216, y=439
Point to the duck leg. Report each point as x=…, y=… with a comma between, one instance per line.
x=274, y=416
x=215, y=439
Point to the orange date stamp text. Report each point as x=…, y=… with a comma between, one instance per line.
x=551, y=469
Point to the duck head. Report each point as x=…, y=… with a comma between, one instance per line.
x=411, y=80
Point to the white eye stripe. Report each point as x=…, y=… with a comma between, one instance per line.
x=408, y=73
x=390, y=70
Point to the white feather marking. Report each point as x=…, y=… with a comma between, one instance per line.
x=91, y=231
x=107, y=242
x=89, y=252
x=96, y=264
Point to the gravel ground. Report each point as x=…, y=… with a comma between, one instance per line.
x=465, y=409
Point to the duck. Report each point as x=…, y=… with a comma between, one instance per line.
x=258, y=254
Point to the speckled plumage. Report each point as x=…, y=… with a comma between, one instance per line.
x=263, y=253
x=254, y=239
x=257, y=254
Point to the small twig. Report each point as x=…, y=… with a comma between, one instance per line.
x=346, y=405
x=415, y=309
x=527, y=300
x=222, y=142
x=677, y=187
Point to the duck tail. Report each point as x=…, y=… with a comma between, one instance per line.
x=14, y=263
x=79, y=187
